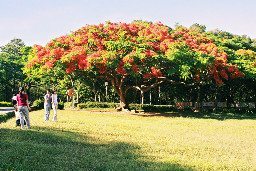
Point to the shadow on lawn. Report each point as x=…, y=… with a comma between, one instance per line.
x=201, y=115
x=5, y=116
x=51, y=149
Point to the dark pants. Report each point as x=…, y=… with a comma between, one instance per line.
x=18, y=122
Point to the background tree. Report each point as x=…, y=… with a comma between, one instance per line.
x=241, y=53
x=12, y=60
x=198, y=28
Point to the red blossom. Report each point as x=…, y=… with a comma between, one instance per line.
x=120, y=69
x=135, y=68
x=156, y=72
x=147, y=76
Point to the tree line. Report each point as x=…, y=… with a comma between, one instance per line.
x=142, y=62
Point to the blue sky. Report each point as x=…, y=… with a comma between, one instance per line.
x=39, y=21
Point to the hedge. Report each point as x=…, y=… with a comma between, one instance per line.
x=97, y=105
x=144, y=107
x=6, y=104
x=152, y=108
x=241, y=110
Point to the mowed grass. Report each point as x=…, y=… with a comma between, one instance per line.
x=115, y=141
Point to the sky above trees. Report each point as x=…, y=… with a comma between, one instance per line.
x=37, y=22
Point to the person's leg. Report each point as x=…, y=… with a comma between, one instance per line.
x=21, y=110
x=47, y=112
x=27, y=116
x=55, y=107
x=18, y=122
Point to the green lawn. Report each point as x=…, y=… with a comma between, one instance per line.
x=105, y=141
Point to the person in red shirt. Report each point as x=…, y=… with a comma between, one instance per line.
x=23, y=107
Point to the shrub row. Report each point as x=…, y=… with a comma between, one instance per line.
x=152, y=108
x=6, y=104
x=144, y=107
x=244, y=110
x=97, y=105
x=39, y=104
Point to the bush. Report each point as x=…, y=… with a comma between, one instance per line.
x=38, y=104
x=68, y=105
x=236, y=110
x=6, y=104
x=61, y=105
x=152, y=108
x=97, y=105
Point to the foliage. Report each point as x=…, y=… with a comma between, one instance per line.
x=198, y=28
x=240, y=49
x=246, y=62
x=60, y=105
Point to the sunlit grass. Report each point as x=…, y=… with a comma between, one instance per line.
x=103, y=141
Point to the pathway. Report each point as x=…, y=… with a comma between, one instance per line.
x=6, y=110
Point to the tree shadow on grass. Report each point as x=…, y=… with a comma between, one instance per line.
x=5, y=116
x=202, y=115
x=42, y=148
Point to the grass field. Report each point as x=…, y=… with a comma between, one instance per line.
x=115, y=141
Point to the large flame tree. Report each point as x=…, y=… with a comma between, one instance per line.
x=134, y=57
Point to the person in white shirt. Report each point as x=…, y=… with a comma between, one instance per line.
x=14, y=101
x=54, y=105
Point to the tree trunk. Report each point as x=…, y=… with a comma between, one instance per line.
x=142, y=97
x=197, y=109
x=123, y=105
x=215, y=101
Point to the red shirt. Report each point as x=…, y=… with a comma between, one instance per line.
x=22, y=100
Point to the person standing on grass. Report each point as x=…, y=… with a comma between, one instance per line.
x=14, y=102
x=54, y=105
x=47, y=104
x=23, y=107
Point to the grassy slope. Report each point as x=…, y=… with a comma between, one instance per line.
x=98, y=141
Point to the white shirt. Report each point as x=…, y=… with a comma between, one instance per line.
x=54, y=98
x=17, y=114
x=14, y=98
